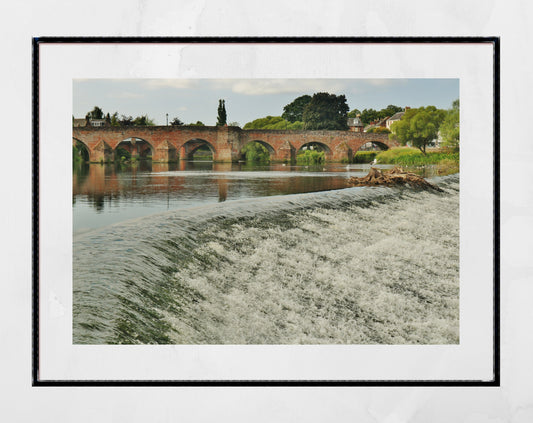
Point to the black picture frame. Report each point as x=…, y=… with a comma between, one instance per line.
x=39, y=41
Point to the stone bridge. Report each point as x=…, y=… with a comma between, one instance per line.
x=168, y=143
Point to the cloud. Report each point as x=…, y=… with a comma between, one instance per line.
x=278, y=86
x=273, y=86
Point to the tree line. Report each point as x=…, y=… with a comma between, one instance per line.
x=115, y=120
x=418, y=127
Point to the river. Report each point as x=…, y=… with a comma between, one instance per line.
x=204, y=253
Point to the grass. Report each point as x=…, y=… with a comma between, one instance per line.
x=413, y=157
x=447, y=162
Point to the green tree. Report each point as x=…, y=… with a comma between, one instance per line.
x=273, y=122
x=222, y=116
x=293, y=112
x=125, y=120
x=326, y=111
x=418, y=127
x=95, y=113
x=198, y=123
x=369, y=115
x=354, y=113
x=449, y=130
x=176, y=122
x=143, y=120
x=114, y=119
x=388, y=111
x=234, y=124
x=256, y=152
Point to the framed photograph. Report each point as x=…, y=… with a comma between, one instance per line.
x=266, y=211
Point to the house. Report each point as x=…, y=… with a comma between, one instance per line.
x=78, y=123
x=381, y=123
x=355, y=124
x=97, y=122
x=395, y=118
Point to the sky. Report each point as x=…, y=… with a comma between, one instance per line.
x=193, y=100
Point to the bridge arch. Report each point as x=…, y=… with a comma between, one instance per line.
x=81, y=150
x=243, y=152
x=317, y=146
x=134, y=147
x=188, y=148
x=373, y=145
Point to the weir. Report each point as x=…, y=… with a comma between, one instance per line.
x=170, y=143
x=272, y=270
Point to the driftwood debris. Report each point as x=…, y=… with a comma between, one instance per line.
x=392, y=177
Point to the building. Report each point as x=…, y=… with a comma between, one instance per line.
x=79, y=123
x=355, y=124
x=381, y=123
x=97, y=122
x=395, y=118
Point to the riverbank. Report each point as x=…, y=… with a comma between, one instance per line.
x=447, y=162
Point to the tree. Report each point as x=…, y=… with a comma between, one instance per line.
x=114, y=119
x=388, y=111
x=354, y=113
x=255, y=152
x=369, y=115
x=198, y=123
x=294, y=111
x=418, y=127
x=143, y=120
x=176, y=122
x=95, y=113
x=273, y=122
x=234, y=124
x=221, y=119
x=326, y=111
x=125, y=120
x=449, y=130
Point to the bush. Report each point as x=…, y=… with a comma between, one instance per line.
x=378, y=130
x=407, y=156
x=273, y=123
x=311, y=157
x=364, y=156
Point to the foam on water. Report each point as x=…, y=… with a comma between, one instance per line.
x=355, y=266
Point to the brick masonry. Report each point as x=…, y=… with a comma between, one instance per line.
x=167, y=143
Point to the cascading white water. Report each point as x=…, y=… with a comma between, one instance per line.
x=351, y=266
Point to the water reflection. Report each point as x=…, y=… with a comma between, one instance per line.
x=109, y=193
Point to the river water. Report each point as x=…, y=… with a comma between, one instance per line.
x=203, y=253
